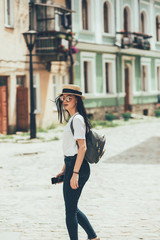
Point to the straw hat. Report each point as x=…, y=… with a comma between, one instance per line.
x=72, y=89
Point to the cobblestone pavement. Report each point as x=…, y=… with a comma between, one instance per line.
x=121, y=199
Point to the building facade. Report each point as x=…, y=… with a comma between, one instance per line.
x=118, y=65
x=52, y=21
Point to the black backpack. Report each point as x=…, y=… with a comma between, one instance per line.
x=95, y=145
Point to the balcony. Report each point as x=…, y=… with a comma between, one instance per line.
x=53, y=26
x=134, y=40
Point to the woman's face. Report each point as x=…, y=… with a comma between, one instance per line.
x=69, y=102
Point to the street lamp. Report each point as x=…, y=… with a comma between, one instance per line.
x=30, y=38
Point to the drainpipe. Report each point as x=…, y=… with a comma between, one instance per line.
x=71, y=67
x=117, y=66
x=31, y=15
x=71, y=63
x=139, y=14
x=118, y=79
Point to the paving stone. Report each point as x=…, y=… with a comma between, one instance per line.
x=121, y=198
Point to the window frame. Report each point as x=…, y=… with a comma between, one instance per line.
x=106, y=17
x=88, y=57
x=129, y=17
x=37, y=87
x=90, y=17
x=157, y=64
x=111, y=59
x=10, y=23
x=158, y=79
x=145, y=21
x=146, y=62
x=58, y=85
x=54, y=85
x=111, y=32
x=20, y=78
x=144, y=80
x=85, y=23
x=65, y=80
x=157, y=34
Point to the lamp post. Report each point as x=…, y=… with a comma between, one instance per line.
x=30, y=38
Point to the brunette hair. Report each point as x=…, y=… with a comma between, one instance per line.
x=80, y=108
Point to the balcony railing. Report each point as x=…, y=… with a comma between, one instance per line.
x=53, y=26
x=134, y=40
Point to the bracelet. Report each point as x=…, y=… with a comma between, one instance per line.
x=76, y=172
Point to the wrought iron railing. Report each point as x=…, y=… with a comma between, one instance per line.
x=134, y=40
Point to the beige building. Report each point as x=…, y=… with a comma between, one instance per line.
x=52, y=21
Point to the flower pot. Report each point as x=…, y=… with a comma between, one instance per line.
x=157, y=112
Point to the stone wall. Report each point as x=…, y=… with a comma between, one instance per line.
x=99, y=113
x=144, y=109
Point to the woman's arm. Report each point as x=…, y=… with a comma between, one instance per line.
x=80, y=156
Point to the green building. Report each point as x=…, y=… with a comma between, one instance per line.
x=118, y=64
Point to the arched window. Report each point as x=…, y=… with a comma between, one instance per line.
x=106, y=16
x=158, y=28
x=126, y=19
x=85, y=14
x=143, y=23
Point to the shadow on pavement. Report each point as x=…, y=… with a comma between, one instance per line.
x=147, y=152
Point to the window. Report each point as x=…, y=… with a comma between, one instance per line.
x=126, y=20
x=54, y=89
x=88, y=73
x=88, y=86
x=109, y=80
x=20, y=81
x=57, y=22
x=9, y=13
x=36, y=93
x=64, y=80
x=107, y=77
x=143, y=23
x=158, y=78
x=3, y=80
x=144, y=78
x=158, y=28
x=85, y=24
x=45, y=18
x=106, y=17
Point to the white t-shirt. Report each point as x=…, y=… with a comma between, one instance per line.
x=69, y=141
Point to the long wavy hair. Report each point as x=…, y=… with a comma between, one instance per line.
x=80, y=108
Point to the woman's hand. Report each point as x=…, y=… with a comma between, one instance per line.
x=59, y=174
x=74, y=181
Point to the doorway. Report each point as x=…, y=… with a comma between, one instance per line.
x=127, y=106
x=22, y=105
x=3, y=105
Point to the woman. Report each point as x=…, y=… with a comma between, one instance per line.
x=76, y=169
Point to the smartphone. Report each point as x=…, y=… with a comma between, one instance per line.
x=58, y=179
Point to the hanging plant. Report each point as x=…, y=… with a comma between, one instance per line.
x=70, y=36
x=74, y=50
x=62, y=49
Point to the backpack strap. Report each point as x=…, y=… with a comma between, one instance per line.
x=72, y=129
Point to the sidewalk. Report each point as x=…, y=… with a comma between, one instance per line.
x=122, y=197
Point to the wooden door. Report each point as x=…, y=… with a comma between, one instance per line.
x=22, y=109
x=3, y=110
x=126, y=106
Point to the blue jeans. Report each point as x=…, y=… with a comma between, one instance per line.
x=71, y=196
